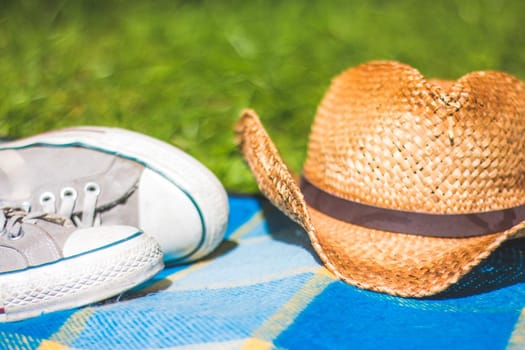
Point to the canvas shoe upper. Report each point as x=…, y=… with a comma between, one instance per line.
x=49, y=264
x=113, y=176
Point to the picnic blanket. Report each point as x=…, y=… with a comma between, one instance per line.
x=264, y=288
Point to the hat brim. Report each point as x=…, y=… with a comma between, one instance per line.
x=408, y=265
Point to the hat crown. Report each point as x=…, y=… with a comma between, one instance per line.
x=384, y=135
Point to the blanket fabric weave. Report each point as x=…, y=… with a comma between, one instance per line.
x=264, y=288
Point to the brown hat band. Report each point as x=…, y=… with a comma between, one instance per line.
x=418, y=223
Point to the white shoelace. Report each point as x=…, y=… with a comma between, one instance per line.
x=87, y=216
x=12, y=217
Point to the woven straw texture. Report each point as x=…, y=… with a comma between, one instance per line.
x=385, y=136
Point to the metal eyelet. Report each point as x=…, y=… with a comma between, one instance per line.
x=47, y=197
x=15, y=236
x=92, y=187
x=68, y=192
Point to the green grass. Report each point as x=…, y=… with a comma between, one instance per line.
x=181, y=71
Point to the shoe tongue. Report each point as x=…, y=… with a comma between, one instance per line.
x=41, y=170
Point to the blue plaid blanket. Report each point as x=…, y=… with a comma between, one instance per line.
x=264, y=288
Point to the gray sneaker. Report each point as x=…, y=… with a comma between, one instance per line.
x=97, y=175
x=48, y=264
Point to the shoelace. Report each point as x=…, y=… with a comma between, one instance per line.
x=12, y=218
x=87, y=216
x=13, y=214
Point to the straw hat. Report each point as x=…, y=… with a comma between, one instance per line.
x=408, y=183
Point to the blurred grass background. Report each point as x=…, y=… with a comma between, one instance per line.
x=181, y=71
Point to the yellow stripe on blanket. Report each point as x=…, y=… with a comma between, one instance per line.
x=517, y=339
x=51, y=345
x=284, y=317
x=72, y=328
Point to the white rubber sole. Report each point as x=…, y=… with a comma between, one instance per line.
x=79, y=280
x=196, y=181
